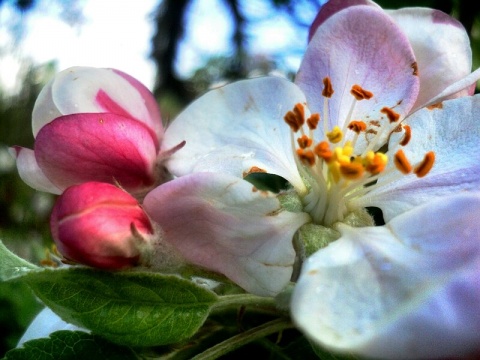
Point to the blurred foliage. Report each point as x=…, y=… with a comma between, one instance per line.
x=24, y=212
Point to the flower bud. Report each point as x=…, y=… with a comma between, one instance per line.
x=100, y=225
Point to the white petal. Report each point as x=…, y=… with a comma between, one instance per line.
x=31, y=173
x=441, y=46
x=452, y=132
x=236, y=128
x=402, y=291
x=45, y=323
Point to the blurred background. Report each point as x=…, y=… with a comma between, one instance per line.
x=177, y=48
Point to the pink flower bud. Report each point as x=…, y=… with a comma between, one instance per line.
x=100, y=225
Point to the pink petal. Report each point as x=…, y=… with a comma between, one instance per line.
x=359, y=45
x=92, y=224
x=97, y=147
x=150, y=102
x=223, y=224
x=31, y=173
x=331, y=7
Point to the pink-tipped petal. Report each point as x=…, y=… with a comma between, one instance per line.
x=360, y=45
x=331, y=7
x=407, y=290
x=31, y=173
x=93, y=90
x=223, y=224
x=97, y=147
x=442, y=49
x=150, y=102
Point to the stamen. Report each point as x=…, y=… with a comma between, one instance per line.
x=392, y=115
x=357, y=126
x=352, y=171
x=304, y=141
x=313, y=121
x=307, y=157
x=335, y=136
x=401, y=162
x=375, y=163
x=323, y=151
x=426, y=165
x=407, y=136
x=327, y=88
x=360, y=93
x=296, y=118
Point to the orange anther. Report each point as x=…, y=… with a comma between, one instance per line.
x=377, y=164
x=407, y=136
x=291, y=120
x=323, y=151
x=359, y=93
x=306, y=156
x=426, y=165
x=357, y=126
x=304, y=141
x=299, y=112
x=313, y=121
x=327, y=87
x=352, y=171
x=401, y=162
x=392, y=115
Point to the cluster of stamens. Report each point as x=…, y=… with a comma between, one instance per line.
x=332, y=163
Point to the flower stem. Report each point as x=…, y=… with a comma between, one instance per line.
x=244, y=338
x=228, y=301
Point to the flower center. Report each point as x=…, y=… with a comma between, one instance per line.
x=334, y=169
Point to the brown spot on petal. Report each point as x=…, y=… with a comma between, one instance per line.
x=435, y=106
x=414, y=66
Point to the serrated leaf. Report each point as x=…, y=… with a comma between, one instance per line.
x=131, y=308
x=68, y=345
x=12, y=266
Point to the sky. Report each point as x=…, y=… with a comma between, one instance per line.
x=117, y=33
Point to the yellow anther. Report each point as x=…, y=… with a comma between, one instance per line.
x=352, y=171
x=341, y=156
x=327, y=88
x=334, y=170
x=304, y=141
x=426, y=165
x=401, y=162
x=335, y=136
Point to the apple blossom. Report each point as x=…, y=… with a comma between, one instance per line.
x=361, y=127
x=100, y=225
x=94, y=124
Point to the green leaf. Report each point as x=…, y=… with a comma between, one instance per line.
x=131, y=308
x=68, y=345
x=12, y=266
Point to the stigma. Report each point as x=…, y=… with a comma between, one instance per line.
x=334, y=168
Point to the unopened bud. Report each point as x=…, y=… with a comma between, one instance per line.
x=100, y=225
